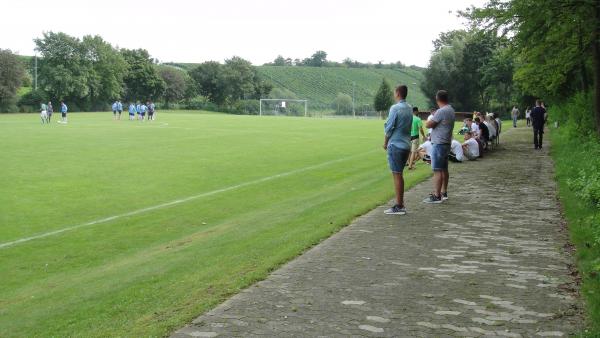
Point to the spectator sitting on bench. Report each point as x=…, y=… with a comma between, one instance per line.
x=456, y=152
x=484, y=134
x=470, y=147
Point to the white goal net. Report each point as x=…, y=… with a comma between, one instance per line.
x=283, y=107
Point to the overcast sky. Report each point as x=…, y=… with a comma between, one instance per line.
x=259, y=30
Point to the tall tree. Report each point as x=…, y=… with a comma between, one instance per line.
x=175, y=84
x=555, y=41
x=64, y=69
x=384, y=98
x=318, y=59
x=108, y=66
x=472, y=64
x=141, y=79
x=207, y=77
x=12, y=73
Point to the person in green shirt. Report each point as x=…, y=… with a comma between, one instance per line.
x=417, y=127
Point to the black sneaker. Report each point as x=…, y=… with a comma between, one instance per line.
x=433, y=199
x=395, y=210
x=444, y=196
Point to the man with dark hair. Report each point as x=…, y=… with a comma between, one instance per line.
x=397, y=144
x=484, y=132
x=415, y=130
x=442, y=125
x=538, y=118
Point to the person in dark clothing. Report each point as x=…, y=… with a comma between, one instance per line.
x=484, y=132
x=538, y=118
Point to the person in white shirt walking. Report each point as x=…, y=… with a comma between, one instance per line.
x=515, y=115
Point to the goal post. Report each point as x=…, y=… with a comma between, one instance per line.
x=283, y=107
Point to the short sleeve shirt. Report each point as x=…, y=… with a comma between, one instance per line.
x=442, y=133
x=397, y=127
x=417, y=124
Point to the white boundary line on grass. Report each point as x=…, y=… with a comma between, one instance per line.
x=178, y=201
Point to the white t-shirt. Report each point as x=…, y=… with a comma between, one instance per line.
x=491, y=128
x=475, y=129
x=499, y=125
x=456, y=148
x=528, y=113
x=472, y=148
x=427, y=146
x=429, y=119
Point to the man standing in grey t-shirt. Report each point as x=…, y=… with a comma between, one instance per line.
x=442, y=125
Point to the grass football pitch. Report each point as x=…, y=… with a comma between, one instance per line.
x=124, y=228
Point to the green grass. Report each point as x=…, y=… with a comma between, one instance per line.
x=320, y=86
x=570, y=157
x=23, y=91
x=150, y=273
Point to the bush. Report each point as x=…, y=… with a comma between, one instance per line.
x=342, y=104
x=576, y=115
x=246, y=107
x=31, y=101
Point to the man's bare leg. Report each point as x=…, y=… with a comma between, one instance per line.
x=438, y=178
x=411, y=159
x=399, y=187
x=445, y=177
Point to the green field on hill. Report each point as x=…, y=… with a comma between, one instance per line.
x=320, y=85
x=127, y=228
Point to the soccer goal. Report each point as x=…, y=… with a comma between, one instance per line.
x=285, y=107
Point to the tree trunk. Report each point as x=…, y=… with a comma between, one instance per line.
x=596, y=46
x=585, y=84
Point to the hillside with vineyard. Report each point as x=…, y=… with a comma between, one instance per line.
x=321, y=85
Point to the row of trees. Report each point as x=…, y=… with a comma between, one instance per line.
x=319, y=59
x=477, y=67
x=518, y=50
x=89, y=73
x=555, y=46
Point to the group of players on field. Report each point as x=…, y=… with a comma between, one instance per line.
x=138, y=109
x=46, y=111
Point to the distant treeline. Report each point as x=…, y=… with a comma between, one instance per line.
x=90, y=74
x=319, y=59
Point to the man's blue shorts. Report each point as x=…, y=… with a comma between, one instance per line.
x=397, y=158
x=439, y=157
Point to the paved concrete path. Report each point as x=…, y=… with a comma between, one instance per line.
x=492, y=261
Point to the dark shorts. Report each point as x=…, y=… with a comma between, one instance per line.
x=439, y=157
x=397, y=158
x=114, y=111
x=143, y=114
x=64, y=114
